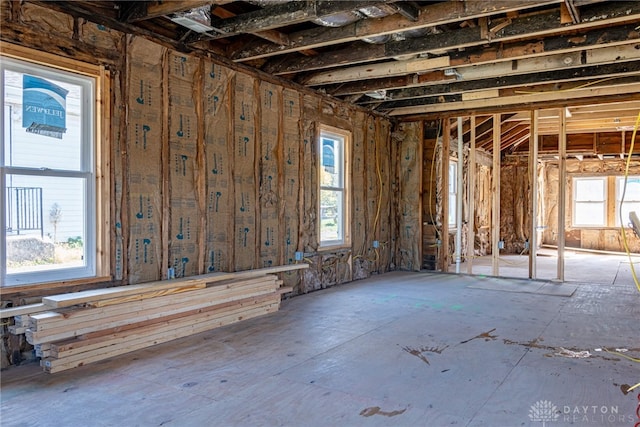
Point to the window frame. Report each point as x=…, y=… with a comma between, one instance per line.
x=618, y=187
x=94, y=170
x=575, y=201
x=330, y=132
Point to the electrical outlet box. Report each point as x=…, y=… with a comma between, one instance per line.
x=501, y=244
x=526, y=244
x=376, y=244
x=299, y=256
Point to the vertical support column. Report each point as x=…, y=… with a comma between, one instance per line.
x=495, y=200
x=444, y=192
x=533, y=187
x=562, y=188
x=459, y=197
x=471, y=173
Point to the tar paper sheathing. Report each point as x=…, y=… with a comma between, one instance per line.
x=144, y=154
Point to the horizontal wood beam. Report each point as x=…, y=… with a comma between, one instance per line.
x=429, y=16
x=452, y=105
x=603, y=63
x=387, y=69
x=599, y=37
x=283, y=14
x=135, y=11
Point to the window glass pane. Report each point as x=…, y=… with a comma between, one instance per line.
x=43, y=122
x=331, y=217
x=590, y=190
x=452, y=210
x=633, y=189
x=627, y=207
x=331, y=163
x=45, y=223
x=589, y=213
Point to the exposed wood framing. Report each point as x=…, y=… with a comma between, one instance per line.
x=533, y=193
x=495, y=200
x=471, y=192
x=562, y=190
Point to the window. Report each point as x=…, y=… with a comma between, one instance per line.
x=47, y=174
x=631, y=198
x=334, y=185
x=589, y=202
x=453, y=192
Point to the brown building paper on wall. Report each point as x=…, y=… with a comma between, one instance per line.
x=218, y=158
x=184, y=224
x=144, y=135
x=244, y=173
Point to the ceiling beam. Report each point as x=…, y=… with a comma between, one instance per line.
x=454, y=105
x=284, y=14
x=386, y=69
x=555, y=68
x=600, y=37
x=134, y=11
x=416, y=96
x=547, y=24
x=429, y=16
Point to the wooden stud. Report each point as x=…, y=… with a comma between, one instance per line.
x=562, y=189
x=533, y=189
x=471, y=194
x=495, y=190
x=444, y=191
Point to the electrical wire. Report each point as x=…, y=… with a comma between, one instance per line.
x=617, y=353
x=624, y=190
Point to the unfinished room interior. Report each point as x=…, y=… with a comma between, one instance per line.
x=320, y=213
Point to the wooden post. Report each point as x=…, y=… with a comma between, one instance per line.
x=533, y=187
x=562, y=181
x=495, y=191
x=471, y=173
x=459, y=197
x=444, y=192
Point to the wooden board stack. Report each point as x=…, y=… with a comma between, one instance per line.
x=88, y=326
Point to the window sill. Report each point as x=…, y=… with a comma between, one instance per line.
x=50, y=286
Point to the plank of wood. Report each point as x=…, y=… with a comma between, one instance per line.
x=67, y=300
x=75, y=329
x=146, y=295
x=79, y=345
x=23, y=309
x=56, y=365
x=241, y=289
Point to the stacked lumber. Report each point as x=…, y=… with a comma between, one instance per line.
x=88, y=326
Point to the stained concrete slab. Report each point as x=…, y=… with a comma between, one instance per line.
x=399, y=349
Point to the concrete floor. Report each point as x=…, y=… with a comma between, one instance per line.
x=400, y=349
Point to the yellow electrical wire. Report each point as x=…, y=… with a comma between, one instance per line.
x=617, y=353
x=624, y=190
x=631, y=388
